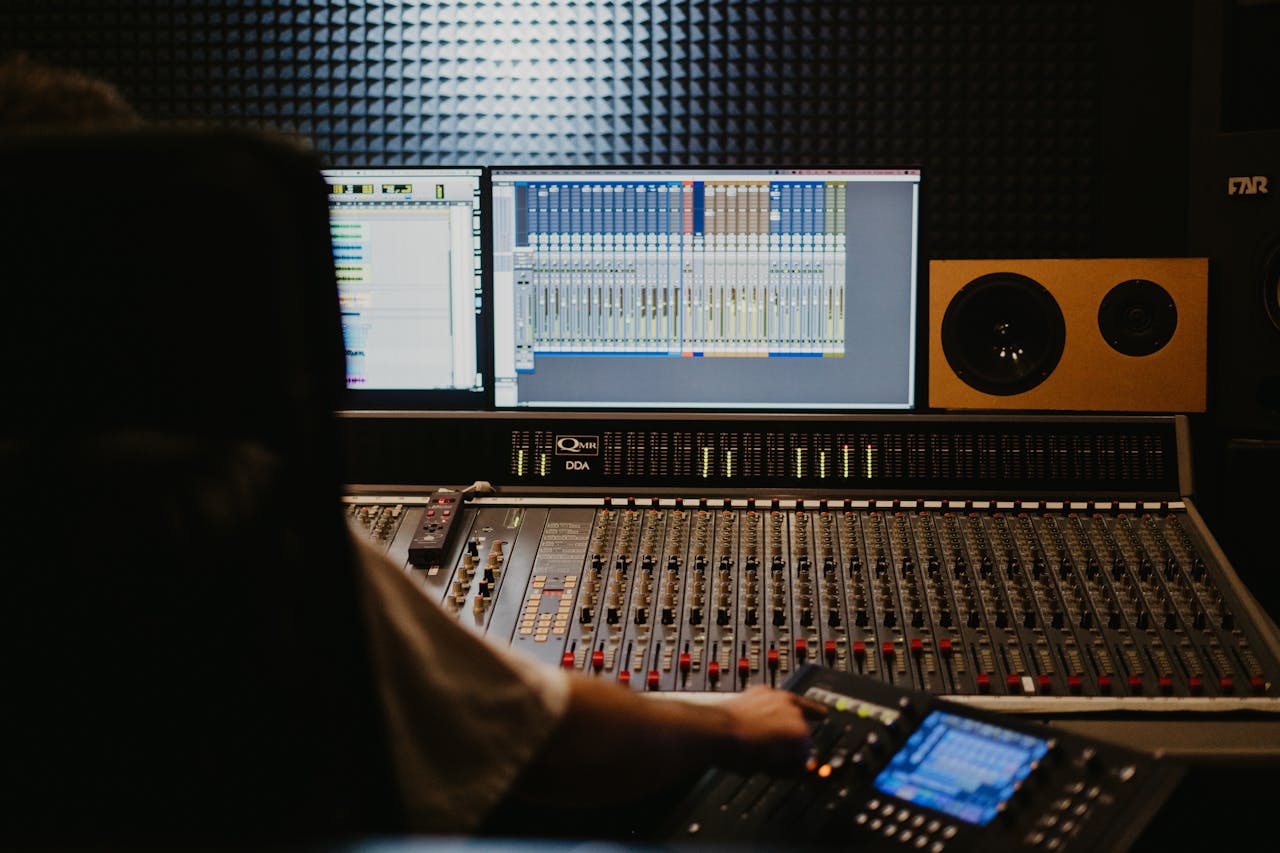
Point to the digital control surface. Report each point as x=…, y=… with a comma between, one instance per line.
x=895, y=769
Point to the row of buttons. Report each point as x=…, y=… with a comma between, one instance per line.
x=906, y=826
x=1066, y=815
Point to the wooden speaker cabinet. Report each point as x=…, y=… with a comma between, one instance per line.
x=1094, y=334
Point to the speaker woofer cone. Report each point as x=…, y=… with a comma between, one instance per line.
x=1003, y=333
x=1271, y=286
x=1137, y=317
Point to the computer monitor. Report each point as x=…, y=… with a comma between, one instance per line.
x=733, y=288
x=409, y=258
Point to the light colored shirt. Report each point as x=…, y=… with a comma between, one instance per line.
x=464, y=714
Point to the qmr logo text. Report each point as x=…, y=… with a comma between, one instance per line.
x=577, y=445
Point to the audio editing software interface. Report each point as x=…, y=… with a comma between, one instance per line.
x=744, y=289
x=408, y=255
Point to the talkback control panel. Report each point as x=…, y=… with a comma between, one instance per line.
x=898, y=769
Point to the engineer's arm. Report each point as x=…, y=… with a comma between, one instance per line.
x=647, y=745
x=472, y=723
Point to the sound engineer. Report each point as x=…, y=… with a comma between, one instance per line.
x=470, y=725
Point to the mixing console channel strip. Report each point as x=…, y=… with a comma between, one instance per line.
x=1064, y=606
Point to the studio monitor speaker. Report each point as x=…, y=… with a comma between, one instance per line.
x=1235, y=221
x=1106, y=335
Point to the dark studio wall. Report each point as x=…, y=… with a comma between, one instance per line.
x=1046, y=129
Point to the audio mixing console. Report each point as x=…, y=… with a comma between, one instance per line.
x=1105, y=600
x=974, y=597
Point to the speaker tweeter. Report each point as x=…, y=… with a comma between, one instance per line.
x=1137, y=317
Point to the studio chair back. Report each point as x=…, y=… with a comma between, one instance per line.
x=183, y=658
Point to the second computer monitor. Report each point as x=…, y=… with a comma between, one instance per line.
x=790, y=289
x=409, y=258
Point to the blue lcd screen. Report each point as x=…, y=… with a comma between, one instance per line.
x=962, y=767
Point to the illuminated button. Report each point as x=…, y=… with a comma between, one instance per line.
x=566, y=660
x=771, y=657
x=891, y=830
x=597, y=660
x=887, y=648
x=984, y=682
x=948, y=832
x=686, y=662
x=921, y=841
x=1044, y=684
x=917, y=647
x=1259, y=684
x=903, y=815
x=1075, y=685
x=1104, y=684
x=1195, y=684
x=829, y=648
x=944, y=645
x=888, y=810
x=1135, y=683
x=653, y=679
x=859, y=649
x=1166, y=684
x=1226, y=685
x=624, y=677
x=1014, y=683
x=917, y=821
x=744, y=667
x=801, y=649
